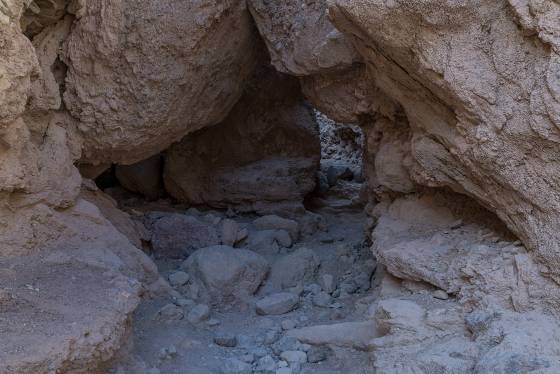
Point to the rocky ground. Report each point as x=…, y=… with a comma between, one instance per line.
x=321, y=277
x=259, y=294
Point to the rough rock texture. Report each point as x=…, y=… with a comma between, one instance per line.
x=144, y=177
x=50, y=323
x=479, y=86
x=265, y=152
x=444, y=244
x=227, y=274
x=300, y=37
x=139, y=71
x=53, y=243
x=178, y=235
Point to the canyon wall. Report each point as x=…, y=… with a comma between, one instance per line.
x=453, y=95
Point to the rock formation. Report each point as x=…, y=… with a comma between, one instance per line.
x=459, y=103
x=265, y=153
x=139, y=71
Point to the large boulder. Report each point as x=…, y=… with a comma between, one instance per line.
x=479, y=85
x=226, y=274
x=140, y=71
x=266, y=151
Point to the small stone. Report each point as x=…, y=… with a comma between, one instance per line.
x=288, y=324
x=213, y=322
x=178, y=278
x=225, y=340
x=242, y=235
x=348, y=287
x=168, y=353
x=322, y=299
x=198, y=314
x=294, y=356
x=248, y=358
x=153, y=371
x=312, y=288
x=327, y=283
x=296, y=290
x=284, y=370
x=440, y=294
x=337, y=314
x=278, y=303
x=185, y=303
x=259, y=352
x=170, y=312
x=266, y=364
x=456, y=224
x=282, y=364
x=286, y=343
x=229, y=232
x=235, y=366
x=318, y=353
x=271, y=337
x=277, y=223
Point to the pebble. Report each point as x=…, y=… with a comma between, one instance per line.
x=153, y=371
x=440, y=294
x=284, y=371
x=185, y=303
x=276, y=304
x=348, y=287
x=225, y=340
x=337, y=314
x=259, y=352
x=266, y=364
x=212, y=322
x=178, y=278
x=322, y=299
x=271, y=337
x=198, y=313
x=286, y=343
x=167, y=353
x=288, y=324
x=317, y=354
x=312, y=288
x=248, y=358
x=235, y=366
x=170, y=312
x=242, y=235
x=294, y=356
x=230, y=229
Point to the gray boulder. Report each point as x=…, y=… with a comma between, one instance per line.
x=226, y=274
x=178, y=235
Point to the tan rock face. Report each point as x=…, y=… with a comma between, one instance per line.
x=138, y=71
x=479, y=85
x=266, y=151
x=300, y=37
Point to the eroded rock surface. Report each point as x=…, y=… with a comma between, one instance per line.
x=479, y=87
x=141, y=71
x=265, y=153
x=300, y=37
